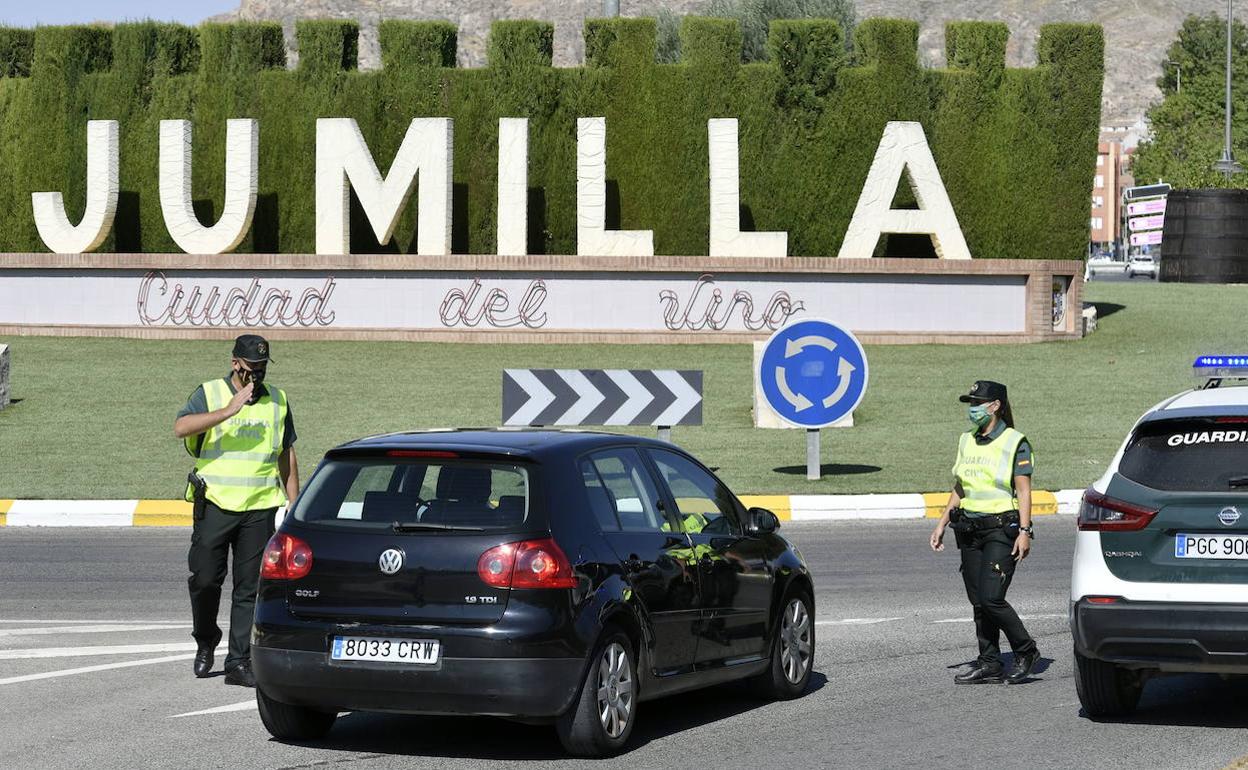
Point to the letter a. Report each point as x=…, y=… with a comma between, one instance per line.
x=904, y=147
x=57, y=233
x=343, y=161
x=241, y=171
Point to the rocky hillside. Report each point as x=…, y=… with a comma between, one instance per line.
x=1137, y=31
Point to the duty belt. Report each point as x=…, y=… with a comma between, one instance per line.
x=961, y=522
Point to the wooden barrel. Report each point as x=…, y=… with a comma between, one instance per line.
x=1205, y=237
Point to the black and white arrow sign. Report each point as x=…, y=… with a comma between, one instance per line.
x=661, y=397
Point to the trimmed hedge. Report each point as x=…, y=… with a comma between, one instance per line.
x=1015, y=147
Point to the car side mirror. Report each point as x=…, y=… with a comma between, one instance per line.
x=761, y=522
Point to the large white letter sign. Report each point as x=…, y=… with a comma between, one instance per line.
x=102, y=182
x=343, y=162
x=904, y=147
x=592, y=236
x=727, y=240
x=242, y=144
x=513, y=186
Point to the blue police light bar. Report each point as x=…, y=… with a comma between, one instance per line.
x=1221, y=367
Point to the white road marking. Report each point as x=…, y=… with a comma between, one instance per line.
x=101, y=649
x=97, y=621
x=1052, y=616
x=244, y=706
x=854, y=621
x=100, y=629
x=91, y=669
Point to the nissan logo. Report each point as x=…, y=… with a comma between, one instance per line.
x=391, y=561
x=1228, y=516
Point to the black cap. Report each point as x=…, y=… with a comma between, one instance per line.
x=251, y=348
x=984, y=391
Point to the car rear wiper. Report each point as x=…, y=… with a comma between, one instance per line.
x=1238, y=481
x=428, y=526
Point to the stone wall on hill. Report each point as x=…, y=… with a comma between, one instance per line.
x=1137, y=33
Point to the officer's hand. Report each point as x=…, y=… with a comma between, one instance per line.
x=1022, y=546
x=937, y=540
x=241, y=398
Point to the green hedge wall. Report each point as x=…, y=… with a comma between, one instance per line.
x=1016, y=147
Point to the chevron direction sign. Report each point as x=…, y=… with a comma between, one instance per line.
x=659, y=397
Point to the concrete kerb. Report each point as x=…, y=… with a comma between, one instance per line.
x=177, y=513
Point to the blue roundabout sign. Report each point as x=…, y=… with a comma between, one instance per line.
x=813, y=373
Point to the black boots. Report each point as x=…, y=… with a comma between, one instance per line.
x=980, y=674
x=203, y=661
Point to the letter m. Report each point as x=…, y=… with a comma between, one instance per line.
x=343, y=162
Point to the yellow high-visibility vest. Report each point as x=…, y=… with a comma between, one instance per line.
x=987, y=472
x=238, y=458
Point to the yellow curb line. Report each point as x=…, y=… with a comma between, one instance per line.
x=1042, y=503
x=5, y=505
x=777, y=504
x=162, y=513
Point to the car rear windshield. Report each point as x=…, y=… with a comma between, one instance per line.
x=440, y=494
x=1188, y=455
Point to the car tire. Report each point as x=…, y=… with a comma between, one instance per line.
x=1106, y=690
x=792, y=650
x=601, y=718
x=293, y=723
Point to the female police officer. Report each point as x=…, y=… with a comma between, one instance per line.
x=990, y=509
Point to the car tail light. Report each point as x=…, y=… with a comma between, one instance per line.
x=527, y=564
x=286, y=557
x=1102, y=599
x=1099, y=513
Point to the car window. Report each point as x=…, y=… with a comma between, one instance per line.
x=1187, y=455
x=704, y=503
x=622, y=495
x=374, y=493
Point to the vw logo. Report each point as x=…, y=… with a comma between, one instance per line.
x=390, y=561
x=1228, y=516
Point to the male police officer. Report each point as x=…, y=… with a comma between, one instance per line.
x=242, y=435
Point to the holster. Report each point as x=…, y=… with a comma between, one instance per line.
x=199, y=495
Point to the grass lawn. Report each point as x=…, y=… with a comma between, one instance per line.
x=95, y=415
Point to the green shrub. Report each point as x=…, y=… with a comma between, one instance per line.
x=1015, y=147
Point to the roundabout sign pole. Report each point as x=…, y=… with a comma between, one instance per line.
x=813, y=373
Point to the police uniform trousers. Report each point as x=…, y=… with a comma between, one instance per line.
x=213, y=537
x=987, y=569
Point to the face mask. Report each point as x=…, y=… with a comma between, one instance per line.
x=980, y=415
x=252, y=375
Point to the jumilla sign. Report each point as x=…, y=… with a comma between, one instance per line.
x=345, y=163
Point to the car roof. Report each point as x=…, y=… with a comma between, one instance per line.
x=1231, y=401
x=517, y=442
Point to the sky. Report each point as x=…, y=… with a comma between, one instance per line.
x=22, y=13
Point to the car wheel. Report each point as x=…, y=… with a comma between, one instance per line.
x=293, y=723
x=792, y=651
x=1106, y=690
x=601, y=720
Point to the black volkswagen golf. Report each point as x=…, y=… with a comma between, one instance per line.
x=550, y=576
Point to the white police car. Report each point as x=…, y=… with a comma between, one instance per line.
x=1160, y=577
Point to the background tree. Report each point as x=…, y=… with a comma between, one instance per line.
x=754, y=17
x=1187, y=126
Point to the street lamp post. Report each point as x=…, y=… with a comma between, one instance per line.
x=1178, y=76
x=1227, y=164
